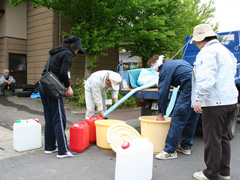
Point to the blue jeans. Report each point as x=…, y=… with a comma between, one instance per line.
x=55, y=122
x=184, y=121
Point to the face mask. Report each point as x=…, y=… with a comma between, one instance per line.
x=158, y=63
x=155, y=67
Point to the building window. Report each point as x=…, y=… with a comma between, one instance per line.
x=17, y=62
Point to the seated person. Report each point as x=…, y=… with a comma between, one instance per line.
x=7, y=82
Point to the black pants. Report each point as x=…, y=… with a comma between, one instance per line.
x=8, y=86
x=55, y=123
x=217, y=152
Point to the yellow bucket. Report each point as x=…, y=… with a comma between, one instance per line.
x=101, y=132
x=155, y=131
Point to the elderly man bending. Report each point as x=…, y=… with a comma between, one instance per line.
x=96, y=87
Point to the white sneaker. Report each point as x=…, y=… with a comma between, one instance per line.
x=50, y=152
x=225, y=177
x=185, y=151
x=200, y=176
x=165, y=155
x=67, y=155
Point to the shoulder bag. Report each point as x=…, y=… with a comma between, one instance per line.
x=51, y=84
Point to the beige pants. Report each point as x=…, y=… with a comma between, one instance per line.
x=90, y=104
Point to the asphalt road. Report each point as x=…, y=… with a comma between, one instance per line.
x=94, y=163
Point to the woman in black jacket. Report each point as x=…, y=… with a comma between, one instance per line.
x=54, y=112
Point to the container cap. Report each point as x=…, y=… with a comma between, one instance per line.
x=94, y=118
x=117, y=134
x=125, y=145
x=76, y=125
x=18, y=121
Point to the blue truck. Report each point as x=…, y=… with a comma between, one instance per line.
x=147, y=98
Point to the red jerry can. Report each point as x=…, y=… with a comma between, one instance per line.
x=79, y=137
x=92, y=127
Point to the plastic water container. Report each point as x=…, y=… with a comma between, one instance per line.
x=26, y=135
x=92, y=127
x=134, y=160
x=79, y=137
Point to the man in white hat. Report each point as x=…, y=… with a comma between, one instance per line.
x=7, y=82
x=214, y=95
x=96, y=87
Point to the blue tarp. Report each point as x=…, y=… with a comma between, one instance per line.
x=134, y=77
x=35, y=95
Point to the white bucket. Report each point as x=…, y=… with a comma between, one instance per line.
x=134, y=160
x=26, y=135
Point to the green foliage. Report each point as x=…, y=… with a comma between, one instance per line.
x=78, y=98
x=153, y=27
x=160, y=27
x=95, y=22
x=149, y=26
x=129, y=103
x=91, y=61
x=193, y=14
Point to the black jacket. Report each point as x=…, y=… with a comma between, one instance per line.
x=60, y=62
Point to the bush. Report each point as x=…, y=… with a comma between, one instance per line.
x=129, y=103
x=78, y=98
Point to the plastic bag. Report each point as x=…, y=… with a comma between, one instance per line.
x=147, y=76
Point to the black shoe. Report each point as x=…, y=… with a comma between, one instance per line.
x=2, y=93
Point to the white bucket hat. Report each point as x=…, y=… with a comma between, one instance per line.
x=6, y=71
x=115, y=79
x=201, y=31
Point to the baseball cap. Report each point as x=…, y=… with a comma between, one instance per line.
x=201, y=31
x=76, y=41
x=6, y=71
x=115, y=79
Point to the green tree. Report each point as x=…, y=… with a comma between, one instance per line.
x=96, y=22
x=193, y=13
x=150, y=26
x=160, y=27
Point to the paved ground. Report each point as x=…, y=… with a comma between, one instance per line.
x=92, y=164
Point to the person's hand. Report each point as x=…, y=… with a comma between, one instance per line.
x=115, y=101
x=9, y=82
x=160, y=117
x=101, y=113
x=69, y=92
x=6, y=81
x=198, y=107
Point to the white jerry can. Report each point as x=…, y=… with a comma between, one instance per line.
x=26, y=135
x=134, y=160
